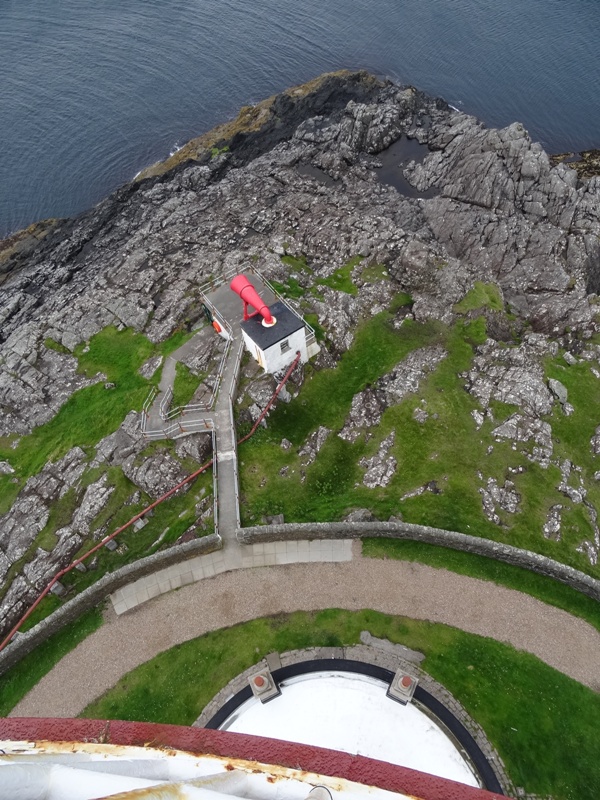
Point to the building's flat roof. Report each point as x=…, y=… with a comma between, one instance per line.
x=287, y=323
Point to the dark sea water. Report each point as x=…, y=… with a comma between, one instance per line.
x=93, y=91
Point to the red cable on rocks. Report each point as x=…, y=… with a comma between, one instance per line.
x=165, y=496
x=100, y=544
x=284, y=380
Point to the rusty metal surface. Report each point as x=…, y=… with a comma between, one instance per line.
x=238, y=748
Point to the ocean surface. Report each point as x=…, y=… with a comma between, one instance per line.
x=92, y=92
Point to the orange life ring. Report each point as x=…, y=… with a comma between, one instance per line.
x=216, y=326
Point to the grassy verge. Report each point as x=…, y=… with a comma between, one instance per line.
x=545, y=589
x=89, y=414
x=341, y=280
x=445, y=450
x=15, y=683
x=184, y=386
x=543, y=724
x=325, y=490
x=482, y=295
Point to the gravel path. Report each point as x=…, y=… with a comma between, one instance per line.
x=394, y=587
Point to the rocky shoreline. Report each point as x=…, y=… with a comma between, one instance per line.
x=303, y=179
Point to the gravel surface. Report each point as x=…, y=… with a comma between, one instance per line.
x=565, y=642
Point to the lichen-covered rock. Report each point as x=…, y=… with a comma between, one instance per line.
x=369, y=405
x=31, y=510
x=513, y=375
x=157, y=474
x=380, y=468
x=595, y=442
x=494, y=496
x=571, y=474
x=148, y=369
x=197, y=446
x=34, y=384
x=552, y=527
x=406, y=377
x=309, y=450
x=95, y=498
x=559, y=390
x=359, y=515
x=121, y=444
x=494, y=209
x=521, y=428
x=365, y=412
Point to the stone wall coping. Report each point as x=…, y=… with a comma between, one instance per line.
x=535, y=562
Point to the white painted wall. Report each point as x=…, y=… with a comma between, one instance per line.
x=272, y=359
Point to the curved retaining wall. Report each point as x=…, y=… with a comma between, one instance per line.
x=24, y=643
x=421, y=533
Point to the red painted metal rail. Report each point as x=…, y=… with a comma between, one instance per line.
x=161, y=499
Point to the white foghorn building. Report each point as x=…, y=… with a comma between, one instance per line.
x=275, y=346
x=273, y=334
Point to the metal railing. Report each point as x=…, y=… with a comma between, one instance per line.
x=147, y=403
x=214, y=282
x=165, y=403
x=180, y=428
x=236, y=372
x=215, y=483
x=205, y=405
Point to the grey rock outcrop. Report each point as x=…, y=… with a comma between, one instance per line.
x=381, y=467
x=504, y=497
x=305, y=181
x=368, y=406
x=520, y=428
x=310, y=449
x=156, y=474
x=31, y=510
x=512, y=375
x=552, y=526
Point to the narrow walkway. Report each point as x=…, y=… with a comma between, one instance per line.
x=155, y=421
x=393, y=587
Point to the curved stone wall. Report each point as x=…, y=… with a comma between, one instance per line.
x=24, y=643
x=421, y=533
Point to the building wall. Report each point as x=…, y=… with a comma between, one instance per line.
x=272, y=359
x=275, y=360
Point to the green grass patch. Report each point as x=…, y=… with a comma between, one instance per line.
x=169, y=521
x=447, y=448
x=313, y=321
x=545, y=589
x=118, y=354
x=325, y=399
x=51, y=344
x=15, y=683
x=374, y=273
x=217, y=151
x=400, y=300
x=175, y=341
x=329, y=486
x=543, y=724
x=291, y=288
x=341, y=280
x=482, y=295
x=91, y=413
x=297, y=263
x=184, y=386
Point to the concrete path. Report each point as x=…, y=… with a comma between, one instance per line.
x=167, y=379
x=393, y=587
